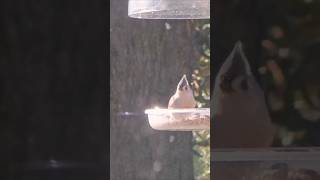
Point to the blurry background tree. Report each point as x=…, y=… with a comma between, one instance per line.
x=281, y=40
x=290, y=71
x=148, y=57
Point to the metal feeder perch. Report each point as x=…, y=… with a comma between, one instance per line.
x=169, y=9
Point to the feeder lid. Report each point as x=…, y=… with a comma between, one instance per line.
x=169, y=9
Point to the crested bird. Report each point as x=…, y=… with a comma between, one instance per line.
x=183, y=97
x=240, y=114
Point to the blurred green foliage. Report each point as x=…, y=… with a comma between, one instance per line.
x=290, y=72
x=201, y=85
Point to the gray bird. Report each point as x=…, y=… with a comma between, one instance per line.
x=183, y=97
x=240, y=115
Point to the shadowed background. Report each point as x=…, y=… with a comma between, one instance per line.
x=281, y=41
x=52, y=89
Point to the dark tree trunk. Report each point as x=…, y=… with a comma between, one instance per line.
x=52, y=56
x=147, y=60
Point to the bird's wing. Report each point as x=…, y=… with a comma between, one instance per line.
x=172, y=102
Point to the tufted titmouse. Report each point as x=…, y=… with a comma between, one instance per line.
x=183, y=97
x=240, y=115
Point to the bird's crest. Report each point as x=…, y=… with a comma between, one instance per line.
x=183, y=83
x=236, y=65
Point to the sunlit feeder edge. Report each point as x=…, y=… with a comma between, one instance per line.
x=191, y=119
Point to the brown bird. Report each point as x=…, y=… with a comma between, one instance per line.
x=183, y=97
x=240, y=115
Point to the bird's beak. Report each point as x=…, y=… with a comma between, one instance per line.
x=183, y=83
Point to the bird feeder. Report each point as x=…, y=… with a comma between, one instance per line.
x=174, y=119
x=180, y=115
x=179, y=119
x=169, y=9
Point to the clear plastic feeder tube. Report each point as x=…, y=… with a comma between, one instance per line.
x=169, y=9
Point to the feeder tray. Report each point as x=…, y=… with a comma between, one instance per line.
x=179, y=119
x=268, y=163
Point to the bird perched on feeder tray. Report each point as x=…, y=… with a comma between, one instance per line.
x=183, y=97
x=240, y=114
